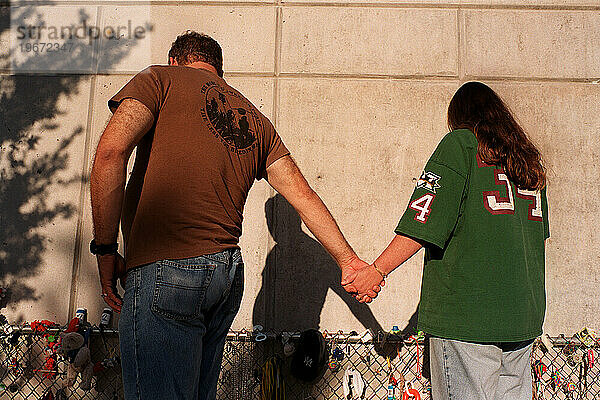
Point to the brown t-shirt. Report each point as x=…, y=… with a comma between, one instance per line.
x=193, y=170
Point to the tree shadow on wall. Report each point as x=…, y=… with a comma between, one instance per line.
x=36, y=152
x=297, y=277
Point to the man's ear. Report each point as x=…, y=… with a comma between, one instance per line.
x=172, y=61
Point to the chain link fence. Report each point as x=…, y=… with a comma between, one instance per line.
x=566, y=368
x=32, y=368
x=376, y=359
x=563, y=368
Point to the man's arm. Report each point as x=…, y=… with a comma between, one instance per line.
x=285, y=177
x=130, y=122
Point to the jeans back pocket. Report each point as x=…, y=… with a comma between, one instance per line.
x=180, y=287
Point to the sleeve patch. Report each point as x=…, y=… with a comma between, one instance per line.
x=429, y=181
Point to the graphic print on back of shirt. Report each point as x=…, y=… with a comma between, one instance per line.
x=231, y=118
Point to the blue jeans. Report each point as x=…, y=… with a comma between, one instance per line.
x=174, y=321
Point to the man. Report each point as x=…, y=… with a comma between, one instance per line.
x=200, y=145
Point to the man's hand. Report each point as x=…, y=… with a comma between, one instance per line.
x=400, y=249
x=362, y=280
x=349, y=270
x=111, y=267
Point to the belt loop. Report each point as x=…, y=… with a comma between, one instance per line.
x=230, y=253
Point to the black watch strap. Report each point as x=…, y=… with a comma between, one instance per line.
x=103, y=249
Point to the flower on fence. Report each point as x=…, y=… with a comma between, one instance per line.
x=570, y=386
x=42, y=326
x=557, y=380
x=50, y=367
x=590, y=358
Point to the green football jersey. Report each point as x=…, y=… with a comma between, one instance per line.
x=483, y=279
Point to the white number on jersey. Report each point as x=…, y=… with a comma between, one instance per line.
x=423, y=205
x=535, y=208
x=497, y=204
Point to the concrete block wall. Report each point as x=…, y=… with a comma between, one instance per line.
x=358, y=91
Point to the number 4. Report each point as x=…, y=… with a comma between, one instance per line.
x=422, y=204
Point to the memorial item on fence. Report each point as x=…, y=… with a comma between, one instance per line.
x=50, y=368
x=556, y=379
x=48, y=395
x=27, y=365
x=569, y=389
x=416, y=339
x=392, y=382
x=410, y=393
x=259, y=335
x=272, y=385
x=591, y=357
x=106, y=318
x=337, y=355
x=353, y=385
x=583, y=372
x=288, y=346
x=587, y=337
x=112, y=360
x=74, y=346
x=311, y=357
x=81, y=315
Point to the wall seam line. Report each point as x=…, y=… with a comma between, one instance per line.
x=269, y=313
x=84, y=180
x=532, y=7
x=80, y=218
x=277, y=62
x=432, y=6
x=312, y=75
x=461, y=50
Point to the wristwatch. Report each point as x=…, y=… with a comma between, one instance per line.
x=103, y=249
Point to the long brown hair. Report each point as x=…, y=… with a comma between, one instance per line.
x=501, y=140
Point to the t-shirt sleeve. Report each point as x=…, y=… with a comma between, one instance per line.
x=274, y=148
x=146, y=87
x=545, y=216
x=435, y=204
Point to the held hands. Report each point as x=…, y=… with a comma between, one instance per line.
x=362, y=280
x=111, y=267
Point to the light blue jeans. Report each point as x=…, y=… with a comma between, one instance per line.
x=471, y=371
x=174, y=321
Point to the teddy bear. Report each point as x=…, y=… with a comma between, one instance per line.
x=73, y=347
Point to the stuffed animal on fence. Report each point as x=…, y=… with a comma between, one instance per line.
x=79, y=357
